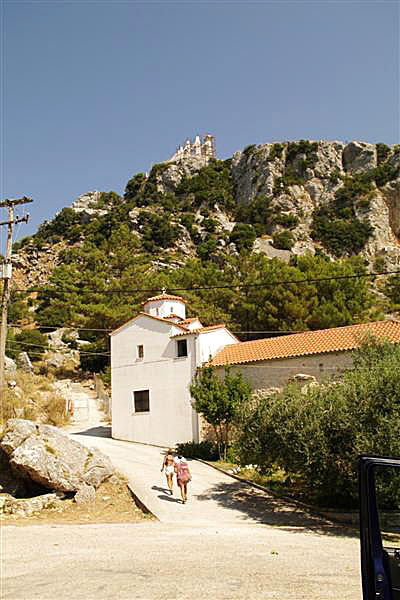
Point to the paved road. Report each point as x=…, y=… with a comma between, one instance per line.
x=156, y=561
x=229, y=541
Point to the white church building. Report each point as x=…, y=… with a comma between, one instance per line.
x=154, y=357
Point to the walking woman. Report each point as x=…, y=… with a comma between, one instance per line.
x=183, y=476
x=168, y=468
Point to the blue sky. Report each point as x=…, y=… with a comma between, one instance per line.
x=94, y=92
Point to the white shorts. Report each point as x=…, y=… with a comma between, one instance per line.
x=169, y=470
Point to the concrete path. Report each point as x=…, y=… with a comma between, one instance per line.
x=213, y=496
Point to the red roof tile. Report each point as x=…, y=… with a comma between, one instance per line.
x=337, y=339
x=164, y=297
x=190, y=320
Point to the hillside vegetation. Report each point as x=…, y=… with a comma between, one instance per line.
x=252, y=227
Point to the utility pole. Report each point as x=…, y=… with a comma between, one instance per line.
x=6, y=274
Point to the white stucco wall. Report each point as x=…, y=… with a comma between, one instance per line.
x=164, y=308
x=275, y=373
x=212, y=341
x=193, y=325
x=171, y=418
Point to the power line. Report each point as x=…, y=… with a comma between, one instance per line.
x=76, y=328
x=62, y=327
x=10, y=343
x=234, y=286
x=247, y=365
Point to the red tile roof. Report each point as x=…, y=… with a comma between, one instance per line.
x=190, y=320
x=337, y=339
x=164, y=297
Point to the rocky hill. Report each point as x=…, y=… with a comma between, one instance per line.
x=278, y=199
x=228, y=234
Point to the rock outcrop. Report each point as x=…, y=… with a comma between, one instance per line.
x=87, y=206
x=10, y=365
x=47, y=456
x=25, y=507
x=24, y=362
x=297, y=179
x=260, y=171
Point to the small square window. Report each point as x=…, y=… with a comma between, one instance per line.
x=140, y=351
x=182, y=348
x=141, y=401
x=171, y=310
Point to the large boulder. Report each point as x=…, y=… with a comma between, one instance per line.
x=359, y=157
x=48, y=456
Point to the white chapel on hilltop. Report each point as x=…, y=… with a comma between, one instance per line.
x=199, y=149
x=154, y=357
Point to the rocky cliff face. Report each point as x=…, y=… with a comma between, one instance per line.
x=260, y=171
x=321, y=195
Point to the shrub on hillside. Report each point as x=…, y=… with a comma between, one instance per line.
x=283, y=240
x=205, y=450
x=243, y=236
x=316, y=437
x=94, y=357
x=31, y=341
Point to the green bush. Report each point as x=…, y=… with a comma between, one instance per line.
x=94, y=357
x=335, y=176
x=304, y=147
x=205, y=450
x=243, y=236
x=340, y=236
x=134, y=186
x=257, y=213
x=210, y=186
x=276, y=152
x=65, y=225
x=31, y=341
x=283, y=240
x=250, y=150
x=157, y=230
x=18, y=308
x=207, y=248
x=392, y=289
x=316, y=437
x=382, y=152
x=290, y=221
x=290, y=177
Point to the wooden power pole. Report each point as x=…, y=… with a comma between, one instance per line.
x=5, y=275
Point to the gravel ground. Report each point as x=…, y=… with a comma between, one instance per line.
x=167, y=561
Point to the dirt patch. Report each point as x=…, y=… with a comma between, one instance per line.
x=114, y=504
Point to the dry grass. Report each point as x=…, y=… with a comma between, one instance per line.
x=33, y=398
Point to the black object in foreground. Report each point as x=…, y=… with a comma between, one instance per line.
x=380, y=565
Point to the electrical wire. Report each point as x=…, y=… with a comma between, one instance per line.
x=10, y=344
x=76, y=328
x=16, y=325
x=55, y=290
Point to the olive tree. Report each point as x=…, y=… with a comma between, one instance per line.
x=218, y=401
x=317, y=436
